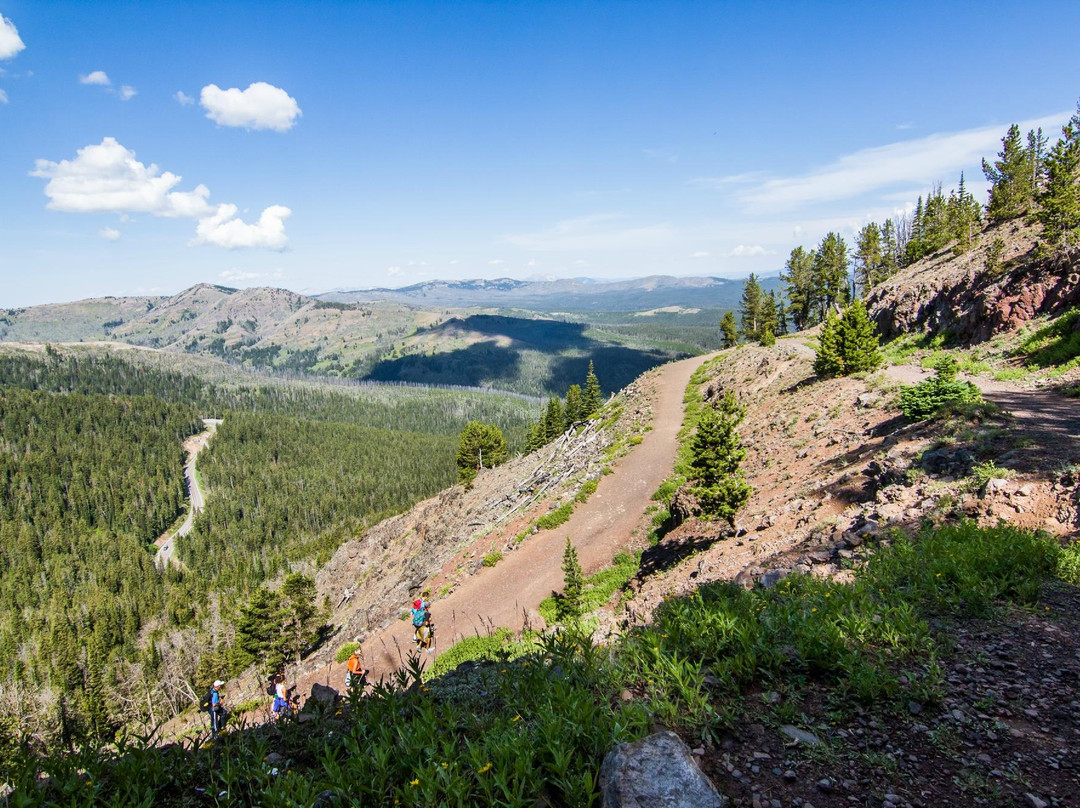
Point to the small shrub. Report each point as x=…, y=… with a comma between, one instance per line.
x=926, y=399
x=345, y=651
x=555, y=517
x=491, y=559
x=983, y=473
x=588, y=488
x=1068, y=565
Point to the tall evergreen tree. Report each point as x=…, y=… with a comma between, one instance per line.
x=750, y=308
x=799, y=287
x=301, y=617
x=831, y=288
x=554, y=423
x=569, y=603
x=729, y=330
x=890, y=251
x=572, y=410
x=779, y=317
x=592, y=397
x=716, y=454
x=868, y=257
x=1060, y=200
x=481, y=446
x=1010, y=178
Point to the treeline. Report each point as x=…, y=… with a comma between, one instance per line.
x=1029, y=179
x=442, y=412
x=281, y=489
x=85, y=482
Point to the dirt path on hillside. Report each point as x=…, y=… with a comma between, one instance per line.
x=503, y=595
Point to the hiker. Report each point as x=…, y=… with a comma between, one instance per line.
x=356, y=674
x=211, y=702
x=281, y=696
x=423, y=628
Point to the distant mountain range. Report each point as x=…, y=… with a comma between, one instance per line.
x=567, y=295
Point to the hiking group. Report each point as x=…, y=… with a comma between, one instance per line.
x=423, y=627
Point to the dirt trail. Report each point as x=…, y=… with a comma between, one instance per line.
x=600, y=528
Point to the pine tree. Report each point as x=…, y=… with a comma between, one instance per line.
x=828, y=361
x=890, y=251
x=868, y=258
x=554, y=423
x=831, y=289
x=572, y=410
x=768, y=321
x=592, y=398
x=1060, y=200
x=799, y=287
x=259, y=637
x=301, y=617
x=729, y=330
x=779, y=321
x=716, y=454
x=751, y=308
x=569, y=604
x=858, y=340
x=480, y=446
x=1010, y=178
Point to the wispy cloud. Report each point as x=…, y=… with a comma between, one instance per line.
x=109, y=234
x=183, y=99
x=593, y=233
x=743, y=250
x=127, y=92
x=700, y=254
x=919, y=161
x=3, y=97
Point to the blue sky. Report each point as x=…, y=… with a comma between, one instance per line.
x=147, y=146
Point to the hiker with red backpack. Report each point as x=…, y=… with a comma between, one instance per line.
x=423, y=627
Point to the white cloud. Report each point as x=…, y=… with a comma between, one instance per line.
x=127, y=92
x=106, y=178
x=590, y=233
x=233, y=275
x=496, y=262
x=10, y=43
x=224, y=230
x=109, y=234
x=919, y=161
x=748, y=249
x=3, y=97
x=183, y=99
x=96, y=77
x=260, y=106
x=393, y=271
x=700, y=254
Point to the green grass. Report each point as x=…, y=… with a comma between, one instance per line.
x=556, y=517
x=1054, y=345
x=345, y=651
x=599, y=587
x=492, y=558
x=540, y=719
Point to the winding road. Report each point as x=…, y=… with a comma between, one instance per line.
x=166, y=543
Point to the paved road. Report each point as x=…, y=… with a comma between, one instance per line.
x=193, y=445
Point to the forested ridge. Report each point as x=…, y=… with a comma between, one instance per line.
x=92, y=635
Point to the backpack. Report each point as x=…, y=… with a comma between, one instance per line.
x=418, y=616
x=204, y=702
x=270, y=687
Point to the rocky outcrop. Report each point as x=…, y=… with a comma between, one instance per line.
x=970, y=299
x=656, y=772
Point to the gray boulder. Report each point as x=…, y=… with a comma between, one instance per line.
x=655, y=772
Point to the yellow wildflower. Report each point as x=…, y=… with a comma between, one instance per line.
x=485, y=769
x=415, y=782
x=516, y=717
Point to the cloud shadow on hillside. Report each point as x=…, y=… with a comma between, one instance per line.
x=486, y=364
